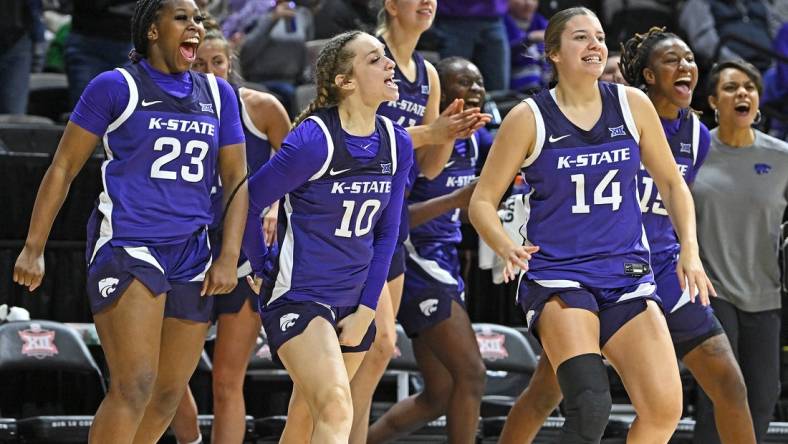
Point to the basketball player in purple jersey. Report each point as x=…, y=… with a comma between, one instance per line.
x=662, y=65
x=164, y=130
x=341, y=174
x=401, y=23
x=587, y=288
x=265, y=124
x=433, y=303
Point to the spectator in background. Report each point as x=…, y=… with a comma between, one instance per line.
x=474, y=30
x=338, y=16
x=273, y=46
x=740, y=198
x=100, y=40
x=612, y=72
x=710, y=24
x=624, y=18
x=775, y=89
x=525, y=29
x=16, y=54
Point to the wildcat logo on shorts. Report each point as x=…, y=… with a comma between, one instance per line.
x=492, y=346
x=288, y=320
x=37, y=342
x=617, y=131
x=428, y=307
x=107, y=286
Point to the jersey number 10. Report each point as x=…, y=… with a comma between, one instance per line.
x=363, y=219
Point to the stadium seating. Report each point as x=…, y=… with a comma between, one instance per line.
x=30, y=348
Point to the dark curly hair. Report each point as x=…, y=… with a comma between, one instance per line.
x=636, y=51
x=145, y=13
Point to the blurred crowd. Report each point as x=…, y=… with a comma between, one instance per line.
x=82, y=38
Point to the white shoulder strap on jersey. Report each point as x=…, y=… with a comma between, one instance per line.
x=695, y=137
x=475, y=145
x=215, y=93
x=539, y=132
x=134, y=97
x=628, y=118
x=392, y=143
x=329, y=146
x=247, y=119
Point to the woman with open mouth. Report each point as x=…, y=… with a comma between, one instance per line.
x=741, y=194
x=663, y=66
x=166, y=132
x=586, y=285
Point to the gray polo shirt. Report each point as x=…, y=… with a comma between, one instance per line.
x=740, y=197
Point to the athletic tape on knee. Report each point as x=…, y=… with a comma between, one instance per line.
x=584, y=383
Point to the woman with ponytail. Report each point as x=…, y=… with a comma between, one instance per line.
x=166, y=131
x=340, y=175
x=662, y=65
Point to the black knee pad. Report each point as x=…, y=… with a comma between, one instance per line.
x=584, y=383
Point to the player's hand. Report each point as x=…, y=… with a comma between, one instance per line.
x=353, y=327
x=221, y=278
x=269, y=224
x=515, y=257
x=29, y=268
x=255, y=283
x=693, y=279
x=455, y=122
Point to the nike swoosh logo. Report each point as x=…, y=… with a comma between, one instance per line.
x=144, y=103
x=334, y=173
x=556, y=139
x=448, y=164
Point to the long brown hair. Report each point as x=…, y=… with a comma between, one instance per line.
x=334, y=59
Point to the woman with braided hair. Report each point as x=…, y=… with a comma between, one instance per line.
x=662, y=65
x=400, y=25
x=166, y=131
x=340, y=175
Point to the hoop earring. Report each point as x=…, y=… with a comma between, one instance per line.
x=758, y=118
x=716, y=116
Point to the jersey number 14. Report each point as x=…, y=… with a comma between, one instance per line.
x=600, y=198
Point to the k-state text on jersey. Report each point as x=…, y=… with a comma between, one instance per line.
x=184, y=126
x=371, y=186
x=592, y=159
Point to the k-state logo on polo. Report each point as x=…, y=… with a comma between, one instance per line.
x=37, y=342
x=762, y=168
x=288, y=320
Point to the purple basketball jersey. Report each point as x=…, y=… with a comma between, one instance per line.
x=584, y=211
x=459, y=171
x=258, y=151
x=326, y=226
x=409, y=109
x=161, y=159
x=685, y=145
